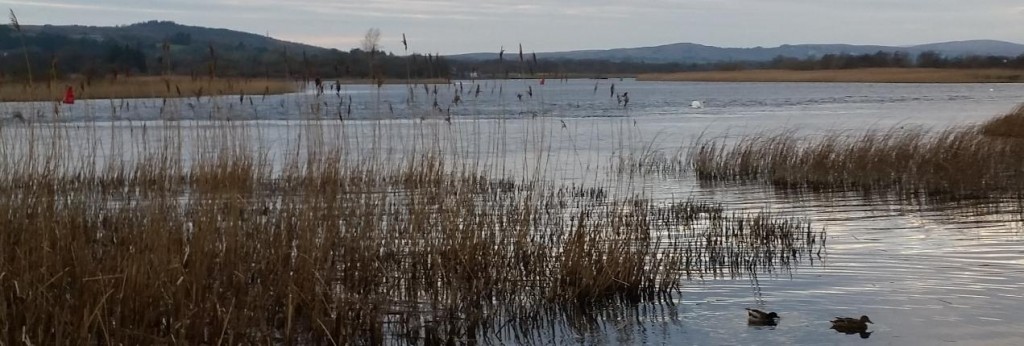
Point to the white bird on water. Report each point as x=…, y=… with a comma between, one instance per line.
x=697, y=105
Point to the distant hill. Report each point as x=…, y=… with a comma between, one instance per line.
x=156, y=47
x=154, y=33
x=975, y=47
x=697, y=53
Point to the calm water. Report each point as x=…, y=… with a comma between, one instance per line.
x=926, y=276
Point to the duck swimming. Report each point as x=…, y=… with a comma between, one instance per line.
x=850, y=324
x=760, y=318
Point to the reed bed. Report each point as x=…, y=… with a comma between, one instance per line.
x=1009, y=125
x=145, y=87
x=216, y=240
x=649, y=161
x=958, y=163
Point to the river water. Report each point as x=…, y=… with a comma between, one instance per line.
x=925, y=275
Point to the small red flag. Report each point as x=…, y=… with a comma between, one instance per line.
x=69, y=96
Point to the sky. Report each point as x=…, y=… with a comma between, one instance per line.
x=463, y=26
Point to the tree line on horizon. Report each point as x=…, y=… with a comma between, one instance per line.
x=883, y=59
x=496, y=68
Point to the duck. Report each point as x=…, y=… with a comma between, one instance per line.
x=760, y=318
x=850, y=324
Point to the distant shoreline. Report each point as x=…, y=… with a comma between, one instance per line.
x=143, y=87
x=867, y=75
x=391, y=81
x=174, y=87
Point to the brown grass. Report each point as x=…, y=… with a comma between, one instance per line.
x=1010, y=125
x=965, y=162
x=867, y=75
x=145, y=87
x=163, y=240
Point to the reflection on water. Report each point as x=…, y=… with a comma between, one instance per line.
x=926, y=273
x=862, y=334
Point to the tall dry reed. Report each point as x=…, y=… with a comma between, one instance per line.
x=962, y=162
x=198, y=234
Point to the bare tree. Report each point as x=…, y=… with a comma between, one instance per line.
x=370, y=45
x=371, y=42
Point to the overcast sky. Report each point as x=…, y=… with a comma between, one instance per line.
x=460, y=26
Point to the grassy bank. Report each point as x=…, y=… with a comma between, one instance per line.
x=868, y=75
x=145, y=87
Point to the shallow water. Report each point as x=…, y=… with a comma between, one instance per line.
x=925, y=275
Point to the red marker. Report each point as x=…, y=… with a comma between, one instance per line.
x=69, y=96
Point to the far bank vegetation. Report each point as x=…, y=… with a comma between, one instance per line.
x=867, y=75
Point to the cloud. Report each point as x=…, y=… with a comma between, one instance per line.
x=477, y=10
x=323, y=40
x=90, y=6
x=450, y=26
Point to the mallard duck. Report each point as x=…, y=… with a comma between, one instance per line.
x=760, y=318
x=850, y=324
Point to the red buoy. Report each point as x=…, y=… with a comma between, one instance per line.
x=69, y=96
